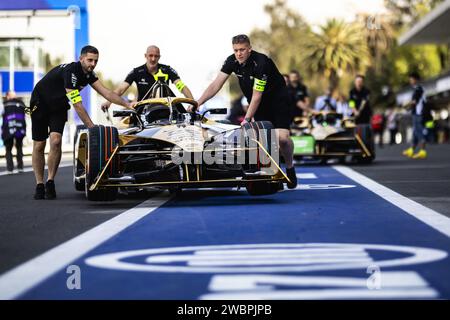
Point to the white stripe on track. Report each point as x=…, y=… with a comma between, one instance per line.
x=22, y=278
x=428, y=216
x=306, y=176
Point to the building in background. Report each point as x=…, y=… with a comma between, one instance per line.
x=434, y=28
x=23, y=42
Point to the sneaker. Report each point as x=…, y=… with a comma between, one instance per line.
x=40, y=192
x=50, y=192
x=293, y=177
x=20, y=170
x=408, y=152
x=9, y=172
x=422, y=154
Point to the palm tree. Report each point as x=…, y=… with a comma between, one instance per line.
x=283, y=39
x=380, y=37
x=337, y=47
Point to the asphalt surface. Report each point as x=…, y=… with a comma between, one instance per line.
x=425, y=181
x=29, y=228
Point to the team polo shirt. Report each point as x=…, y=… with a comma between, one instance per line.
x=145, y=80
x=258, y=73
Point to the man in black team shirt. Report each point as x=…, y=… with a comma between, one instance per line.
x=145, y=76
x=265, y=89
x=298, y=93
x=51, y=98
x=359, y=101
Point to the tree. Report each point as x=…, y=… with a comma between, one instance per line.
x=50, y=63
x=282, y=41
x=429, y=60
x=405, y=13
x=391, y=63
x=337, y=47
x=380, y=37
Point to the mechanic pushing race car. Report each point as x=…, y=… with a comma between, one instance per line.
x=51, y=98
x=266, y=91
x=166, y=147
x=145, y=77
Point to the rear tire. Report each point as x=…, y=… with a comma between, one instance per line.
x=262, y=188
x=101, y=142
x=260, y=131
x=177, y=191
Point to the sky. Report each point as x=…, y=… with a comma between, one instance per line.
x=194, y=35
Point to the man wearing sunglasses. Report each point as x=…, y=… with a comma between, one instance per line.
x=146, y=75
x=265, y=89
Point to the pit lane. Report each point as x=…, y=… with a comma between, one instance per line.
x=340, y=216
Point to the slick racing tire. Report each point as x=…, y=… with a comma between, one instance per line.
x=101, y=142
x=262, y=188
x=261, y=132
x=78, y=167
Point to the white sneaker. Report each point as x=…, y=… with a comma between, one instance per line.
x=9, y=172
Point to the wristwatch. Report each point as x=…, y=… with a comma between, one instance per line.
x=248, y=119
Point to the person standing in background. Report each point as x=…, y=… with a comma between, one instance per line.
x=13, y=130
x=420, y=115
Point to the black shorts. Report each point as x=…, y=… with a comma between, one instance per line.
x=276, y=110
x=44, y=120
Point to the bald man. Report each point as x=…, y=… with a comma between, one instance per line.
x=145, y=76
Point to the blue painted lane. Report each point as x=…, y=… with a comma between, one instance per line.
x=323, y=240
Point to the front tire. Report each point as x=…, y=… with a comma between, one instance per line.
x=101, y=142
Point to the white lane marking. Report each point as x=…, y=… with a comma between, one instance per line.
x=182, y=259
x=320, y=186
x=390, y=279
x=306, y=176
x=280, y=252
x=29, y=274
x=326, y=294
x=393, y=284
x=428, y=216
x=30, y=169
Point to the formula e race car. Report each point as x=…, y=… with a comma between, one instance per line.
x=325, y=135
x=163, y=146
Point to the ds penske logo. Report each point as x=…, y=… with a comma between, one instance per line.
x=283, y=270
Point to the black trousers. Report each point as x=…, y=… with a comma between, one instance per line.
x=9, y=143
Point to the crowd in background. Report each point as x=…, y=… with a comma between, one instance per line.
x=390, y=124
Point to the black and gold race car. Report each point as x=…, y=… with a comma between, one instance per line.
x=163, y=146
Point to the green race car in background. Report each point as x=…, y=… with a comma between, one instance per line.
x=328, y=135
